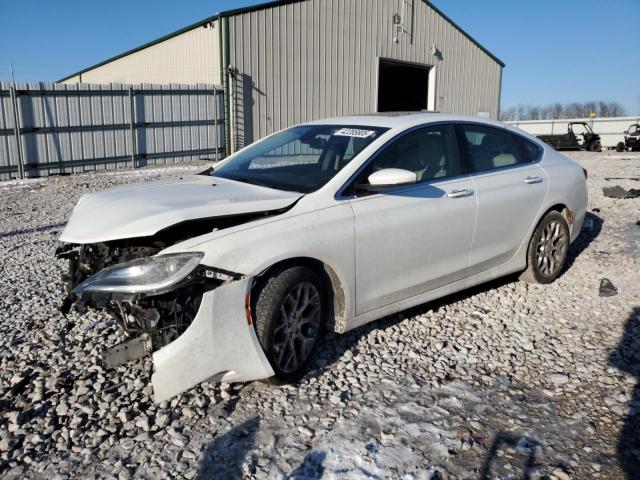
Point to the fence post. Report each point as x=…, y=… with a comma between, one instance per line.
x=16, y=130
x=132, y=127
x=216, y=145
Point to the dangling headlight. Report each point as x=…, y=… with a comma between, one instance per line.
x=152, y=275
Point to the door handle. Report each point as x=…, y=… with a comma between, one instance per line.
x=531, y=180
x=464, y=192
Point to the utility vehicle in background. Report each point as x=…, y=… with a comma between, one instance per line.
x=579, y=136
x=631, y=139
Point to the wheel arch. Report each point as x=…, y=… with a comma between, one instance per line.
x=563, y=210
x=333, y=285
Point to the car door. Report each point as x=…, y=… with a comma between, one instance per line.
x=510, y=188
x=414, y=238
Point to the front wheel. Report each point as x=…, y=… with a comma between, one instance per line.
x=595, y=147
x=547, y=252
x=289, y=313
x=620, y=147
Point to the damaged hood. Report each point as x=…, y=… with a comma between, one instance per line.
x=144, y=209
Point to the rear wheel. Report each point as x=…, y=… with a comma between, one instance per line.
x=289, y=313
x=547, y=252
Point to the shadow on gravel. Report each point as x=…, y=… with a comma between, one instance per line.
x=311, y=468
x=523, y=445
x=626, y=357
x=584, y=239
x=32, y=230
x=223, y=458
x=334, y=347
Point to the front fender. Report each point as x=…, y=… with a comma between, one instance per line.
x=219, y=345
x=326, y=235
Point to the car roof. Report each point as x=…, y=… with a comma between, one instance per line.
x=403, y=119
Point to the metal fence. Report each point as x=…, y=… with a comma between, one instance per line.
x=611, y=129
x=56, y=129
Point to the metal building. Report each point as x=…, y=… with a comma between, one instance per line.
x=290, y=61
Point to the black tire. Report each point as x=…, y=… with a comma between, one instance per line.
x=278, y=334
x=547, y=252
x=620, y=147
x=595, y=147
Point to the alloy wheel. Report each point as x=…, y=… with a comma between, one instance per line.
x=551, y=249
x=298, y=326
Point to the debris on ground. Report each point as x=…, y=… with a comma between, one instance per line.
x=587, y=225
x=607, y=288
x=619, y=192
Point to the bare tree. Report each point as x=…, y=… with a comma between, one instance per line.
x=616, y=110
x=589, y=108
x=557, y=110
x=603, y=109
x=508, y=114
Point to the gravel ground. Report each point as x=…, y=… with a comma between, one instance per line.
x=507, y=380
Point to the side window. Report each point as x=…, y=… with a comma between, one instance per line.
x=528, y=151
x=487, y=148
x=430, y=152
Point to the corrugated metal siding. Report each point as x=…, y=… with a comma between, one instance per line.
x=319, y=58
x=76, y=132
x=191, y=57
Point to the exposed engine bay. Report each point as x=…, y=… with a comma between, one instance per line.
x=162, y=317
x=156, y=320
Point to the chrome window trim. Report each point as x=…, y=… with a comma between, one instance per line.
x=340, y=195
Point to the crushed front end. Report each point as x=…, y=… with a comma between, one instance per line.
x=167, y=305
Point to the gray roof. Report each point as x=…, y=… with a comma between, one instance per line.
x=253, y=8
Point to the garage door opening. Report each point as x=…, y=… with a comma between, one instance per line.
x=402, y=87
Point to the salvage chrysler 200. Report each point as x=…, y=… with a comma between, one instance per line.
x=233, y=274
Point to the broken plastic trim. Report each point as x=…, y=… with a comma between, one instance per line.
x=129, y=350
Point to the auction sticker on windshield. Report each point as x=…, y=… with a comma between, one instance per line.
x=354, y=132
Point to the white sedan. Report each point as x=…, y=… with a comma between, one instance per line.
x=233, y=274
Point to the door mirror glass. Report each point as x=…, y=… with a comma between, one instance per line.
x=391, y=177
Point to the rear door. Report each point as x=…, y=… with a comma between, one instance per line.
x=510, y=186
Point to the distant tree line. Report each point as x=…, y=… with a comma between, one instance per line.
x=558, y=110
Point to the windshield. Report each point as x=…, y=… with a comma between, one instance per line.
x=300, y=159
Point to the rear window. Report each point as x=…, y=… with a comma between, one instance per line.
x=528, y=151
x=488, y=148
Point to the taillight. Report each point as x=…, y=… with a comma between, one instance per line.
x=586, y=174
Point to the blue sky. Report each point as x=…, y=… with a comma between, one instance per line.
x=564, y=51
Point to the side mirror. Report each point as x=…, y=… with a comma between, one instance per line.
x=390, y=177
